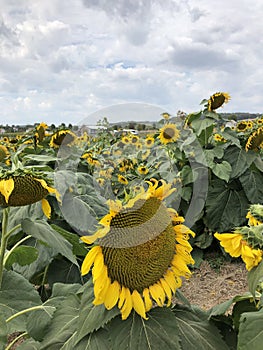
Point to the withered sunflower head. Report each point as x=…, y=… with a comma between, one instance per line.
x=255, y=140
x=66, y=137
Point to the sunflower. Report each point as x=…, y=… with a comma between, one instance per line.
x=169, y=133
x=141, y=253
x=217, y=100
x=219, y=138
x=66, y=137
x=241, y=126
x=255, y=140
x=122, y=179
x=255, y=215
x=41, y=131
x=166, y=115
x=143, y=170
x=149, y=141
x=134, y=139
x=126, y=140
x=20, y=190
x=236, y=245
x=4, y=154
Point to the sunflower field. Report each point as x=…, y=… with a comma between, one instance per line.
x=100, y=232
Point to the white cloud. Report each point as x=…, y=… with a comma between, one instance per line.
x=61, y=61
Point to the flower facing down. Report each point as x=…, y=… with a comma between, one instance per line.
x=255, y=140
x=141, y=254
x=236, y=245
x=20, y=190
x=65, y=137
x=217, y=100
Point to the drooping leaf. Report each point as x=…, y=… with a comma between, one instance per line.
x=62, y=270
x=160, y=331
x=252, y=181
x=226, y=206
x=22, y=255
x=222, y=170
x=255, y=276
x=92, y=317
x=16, y=294
x=73, y=238
x=239, y=159
x=196, y=331
x=63, y=324
x=3, y=332
x=41, y=230
x=250, y=335
x=38, y=322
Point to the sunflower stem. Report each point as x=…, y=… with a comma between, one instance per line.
x=33, y=308
x=15, y=246
x=9, y=347
x=4, y=241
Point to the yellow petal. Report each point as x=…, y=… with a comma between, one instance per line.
x=157, y=293
x=138, y=304
x=89, y=259
x=127, y=306
x=101, y=286
x=46, y=208
x=112, y=295
x=147, y=299
x=167, y=290
x=6, y=188
x=122, y=297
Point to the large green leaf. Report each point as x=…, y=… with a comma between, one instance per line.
x=3, y=332
x=62, y=270
x=73, y=238
x=239, y=159
x=29, y=344
x=222, y=170
x=16, y=294
x=160, y=331
x=226, y=206
x=99, y=340
x=196, y=331
x=63, y=325
x=39, y=321
x=255, y=276
x=35, y=269
x=252, y=181
x=92, y=317
x=250, y=335
x=41, y=230
x=200, y=125
x=22, y=255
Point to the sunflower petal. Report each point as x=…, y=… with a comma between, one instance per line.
x=138, y=304
x=46, y=208
x=89, y=259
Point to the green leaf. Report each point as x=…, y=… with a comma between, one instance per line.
x=29, y=344
x=22, y=255
x=221, y=309
x=222, y=170
x=78, y=247
x=38, y=322
x=3, y=332
x=16, y=294
x=195, y=330
x=250, y=335
x=226, y=206
x=63, y=325
x=252, y=181
x=200, y=125
x=99, y=340
x=92, y=317
x=44, y=232
x=160, y=331
x=40, y=158
x=239, y=159
x=62, y=270
x=255, y=276
x=61, y=289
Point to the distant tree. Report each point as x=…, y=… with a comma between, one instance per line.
x=131, y=125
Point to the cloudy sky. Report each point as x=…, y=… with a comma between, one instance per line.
x=61, y=61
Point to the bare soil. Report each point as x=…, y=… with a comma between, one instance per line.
x=210, y=286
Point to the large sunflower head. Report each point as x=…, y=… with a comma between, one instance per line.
x=255, y=140
x=241, y=126
x=66, y=137
x=141, y=254
x=217, y=100
x=23, y=189
x=169, y=133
